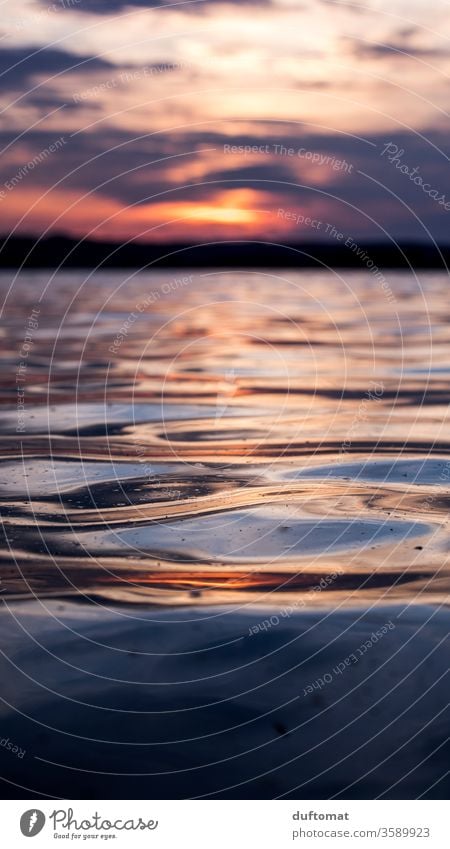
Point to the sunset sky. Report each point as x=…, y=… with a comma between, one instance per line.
x=146, y=105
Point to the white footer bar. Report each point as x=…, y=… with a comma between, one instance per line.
x=224, y=824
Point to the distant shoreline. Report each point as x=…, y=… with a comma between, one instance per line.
x=56, y=251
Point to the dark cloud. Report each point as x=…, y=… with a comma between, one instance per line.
x=50, y=102
x=397, y=49
x=19, y=66
x=253, y=176
x=113, y=7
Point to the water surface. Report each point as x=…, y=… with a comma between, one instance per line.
x=203, y=437
x=224, y=500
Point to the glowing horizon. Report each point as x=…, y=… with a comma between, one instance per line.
x=149, y=100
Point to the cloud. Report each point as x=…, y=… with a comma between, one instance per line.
x=19, y=66
x=121, y=171
x=113, y=7
x=255, y=176
x=397, y=50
